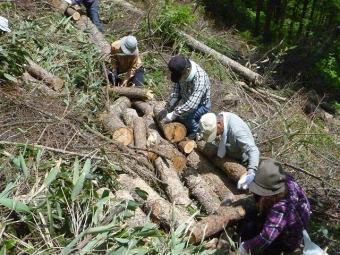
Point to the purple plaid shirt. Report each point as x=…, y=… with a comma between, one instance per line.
x=286, y=220
x=83, y=1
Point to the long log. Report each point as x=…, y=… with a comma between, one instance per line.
x=201, y=190
x=174, y=188
x=112, y=122
x=159, y=209
x=231, y=167
x=199, y=46
x=35, y=85
x=144, y=108
x=40, y=73
x=139, y=132
x=132, y=92
x=62, y=6
x=174, y=131
x=216, y=222
x=216, y=180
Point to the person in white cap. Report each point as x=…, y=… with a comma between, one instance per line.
x=4, y=27
x=236, y=141
x=127, y=66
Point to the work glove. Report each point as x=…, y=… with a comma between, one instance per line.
x=69, y=1
x=170, y=117
x=246, y=179
x=242, y=250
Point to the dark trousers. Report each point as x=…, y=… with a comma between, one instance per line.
x=92, y=10
x=136, y=80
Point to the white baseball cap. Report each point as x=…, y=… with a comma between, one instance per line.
x=129, y=45
x=4, y=24
x=208, y=126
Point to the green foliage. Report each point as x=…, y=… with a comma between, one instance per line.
x=329, y=67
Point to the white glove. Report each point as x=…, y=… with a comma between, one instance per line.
x=170, y=117
x=242, y=250
x=246, y=179
x=69, y=1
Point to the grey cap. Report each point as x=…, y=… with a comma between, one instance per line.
x=270, y=179
x=4, y=24
x=129, y=45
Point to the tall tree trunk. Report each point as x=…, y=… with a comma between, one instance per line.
x=259, y=6
x=292, y=20
x=302, y=16
x=283, y=16
x=269, y=15
x=311, y=17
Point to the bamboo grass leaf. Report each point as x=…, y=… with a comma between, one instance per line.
x=75, y=171
x=51, y=176
x=80, y=182
x=14, y=205
x=23, y=166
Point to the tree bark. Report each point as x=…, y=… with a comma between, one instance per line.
x=132, y=92
x=215, y=178
x=269, y=14
x=112, y=122
x=215, y=223
x=160, y=210
x=139, y=132
x=199, y=46
x=174, y=188
x=201, y=190
x=128, y=116
x=187, y=146
x=259, y=5
x=35, y=85
x=41, y=74
x=302, y=16
x=62, y=6
x=174, y=131
x=142, y=107
x=231, y=167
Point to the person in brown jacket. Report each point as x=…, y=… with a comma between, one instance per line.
x=127, y=67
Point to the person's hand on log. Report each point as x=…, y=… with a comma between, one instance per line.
x=170, y=117
x=246, y=179
x=69, y=1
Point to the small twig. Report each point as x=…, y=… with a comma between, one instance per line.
x=26, y=122
x=73, y=153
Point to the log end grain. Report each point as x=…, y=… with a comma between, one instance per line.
x=174, y=132
x=123, y=135
x=187, y=146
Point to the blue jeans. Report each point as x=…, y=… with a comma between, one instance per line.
x=137, y=79
x=92, y=10
x=191, y=120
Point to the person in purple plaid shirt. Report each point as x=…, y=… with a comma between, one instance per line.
x=92, y=9
x=190, y=97
x=284, y=212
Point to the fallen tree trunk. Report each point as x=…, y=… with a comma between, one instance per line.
x=159, y=209
x=201, y=190
x=112, y=122
x=35, y=85
x=174, y=188
x=199, y=46
x=217, y=181
x=187, y=146
x=174, y=131
x=40, y=73
x=231, y=167
x=132, y=92
x=143, y=107
x=62, y=6
x=128, y=116
x=139, y=132
x=216, y=222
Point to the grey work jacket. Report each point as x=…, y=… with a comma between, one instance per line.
x=237, y=141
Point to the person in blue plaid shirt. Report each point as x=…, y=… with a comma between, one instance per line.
x=283, y=213
x=190, y=98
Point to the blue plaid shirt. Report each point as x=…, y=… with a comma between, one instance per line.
x=189, y=95
x=286, y=219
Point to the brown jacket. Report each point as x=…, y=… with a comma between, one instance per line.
x=125, y=63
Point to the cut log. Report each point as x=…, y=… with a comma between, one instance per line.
x=41, y=74
x=216, y=180
x=128, y=116
x=34, y=85
x=139, y=218
x=241, y=70
x=64, y=7
x=177, y=159
x=139, y=132
x=201, y=190
x=215, y=223
x=175, y=190
x=159, y=209
x=187, y=146
x=112, y=122
x=174, y=131
x=144, y=108
x=231, y=167
x=153, y=136
x=132, y=92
